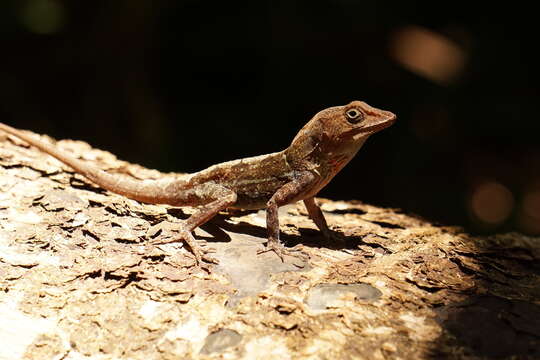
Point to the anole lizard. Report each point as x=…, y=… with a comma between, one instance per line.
x=317, y=153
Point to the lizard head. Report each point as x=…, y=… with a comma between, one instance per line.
x=342, y=129
x=353, y=121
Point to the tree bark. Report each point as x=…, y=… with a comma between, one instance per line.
x=79, y=277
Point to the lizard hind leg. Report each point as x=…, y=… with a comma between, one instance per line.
x=225, y=198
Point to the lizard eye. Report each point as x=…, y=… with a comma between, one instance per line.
x=354, y=116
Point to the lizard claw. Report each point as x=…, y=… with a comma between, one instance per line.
x=197, y=250
x=198, y=247
x=275, y=247
x=282, y=251
x=203, y=245
x=209, y=259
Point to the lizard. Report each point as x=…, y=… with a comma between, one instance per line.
x=316, y=154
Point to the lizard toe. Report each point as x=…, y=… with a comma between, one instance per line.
x=281, y=251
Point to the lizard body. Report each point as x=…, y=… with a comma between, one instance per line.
x=317, y=153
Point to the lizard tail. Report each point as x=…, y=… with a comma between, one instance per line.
x=152, y=191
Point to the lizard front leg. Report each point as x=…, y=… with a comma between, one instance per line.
x=284, y=195
x=315, y=214
x=225, y=198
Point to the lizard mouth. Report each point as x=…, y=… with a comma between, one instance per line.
x=386, y=119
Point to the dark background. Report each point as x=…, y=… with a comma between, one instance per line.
x=181, y=85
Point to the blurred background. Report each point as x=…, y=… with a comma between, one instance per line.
x=180, y=85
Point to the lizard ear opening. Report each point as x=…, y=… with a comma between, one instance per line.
x=354, y=116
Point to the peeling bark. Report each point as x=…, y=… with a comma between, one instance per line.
x=79, y=278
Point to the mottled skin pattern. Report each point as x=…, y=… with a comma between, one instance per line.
x=317, y=153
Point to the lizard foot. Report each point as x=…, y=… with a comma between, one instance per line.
x=198, y=248
x=281, y=251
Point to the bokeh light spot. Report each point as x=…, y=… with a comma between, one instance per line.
x=491, y=203
x=42, y=16
x=427, y=54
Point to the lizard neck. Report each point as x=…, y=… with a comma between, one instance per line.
x=333, y=160
x=323, y=158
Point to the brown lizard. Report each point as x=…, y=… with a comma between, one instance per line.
x=317, y=153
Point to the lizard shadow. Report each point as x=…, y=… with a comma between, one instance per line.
x=219, y=228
